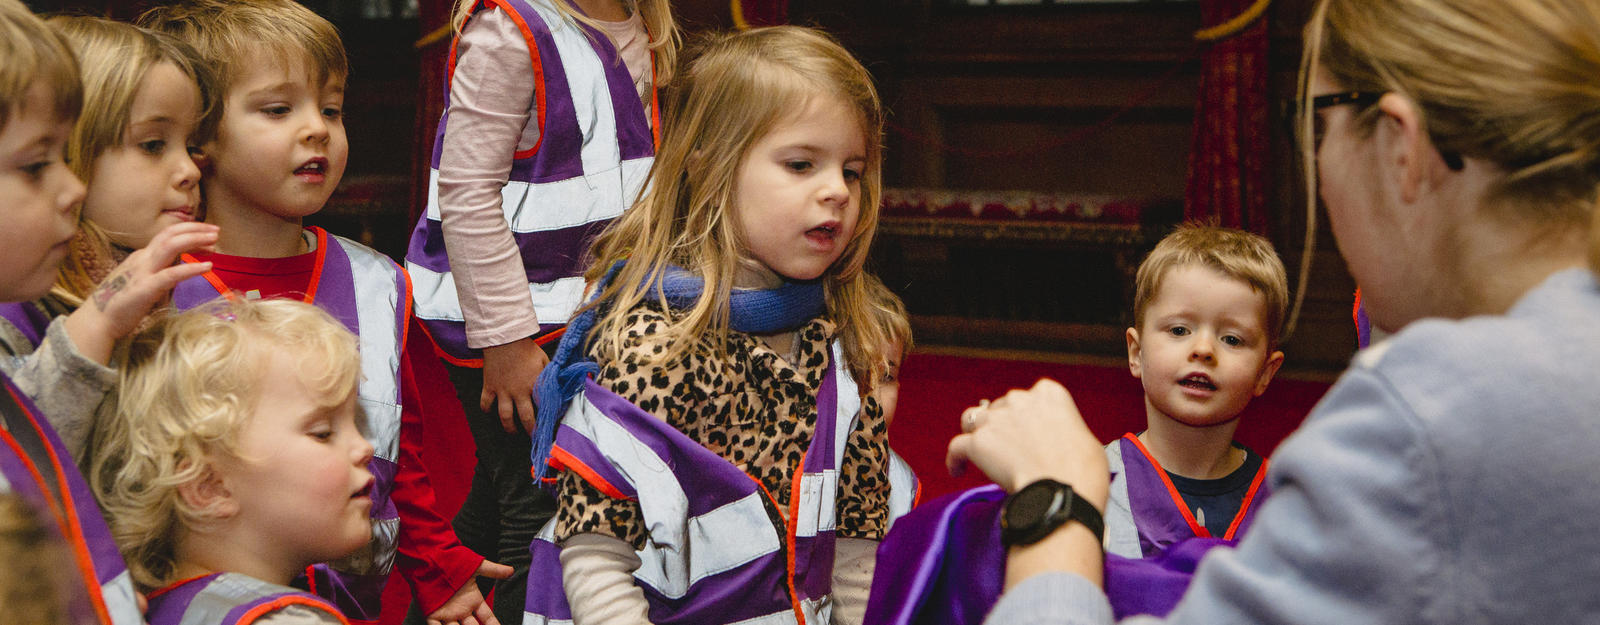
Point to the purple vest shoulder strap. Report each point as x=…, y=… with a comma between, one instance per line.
x=27, y=319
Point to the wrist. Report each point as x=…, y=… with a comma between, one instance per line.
x=90, y=333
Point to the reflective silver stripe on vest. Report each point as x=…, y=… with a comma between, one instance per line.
x=378, y=295
x=1122, y=533
x=902, y=487
x=676, y=556
x=226, y=592
x=902, y=480
x=121, y=603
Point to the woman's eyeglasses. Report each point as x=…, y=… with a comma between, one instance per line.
x=1363, y=100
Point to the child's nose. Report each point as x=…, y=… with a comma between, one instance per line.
x=362, y=451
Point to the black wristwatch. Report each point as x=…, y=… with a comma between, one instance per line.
x=1039, y=508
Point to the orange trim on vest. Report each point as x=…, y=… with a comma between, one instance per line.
x=163, y=590
x=67, y=517
x=788, y=543
x=1172, y=491
x=405, y=317
x=316, y=271
x=212, y=277
x=562, y=459
x=1249, y=497
x=254, y=613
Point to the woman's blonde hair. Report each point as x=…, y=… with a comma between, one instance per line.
x=656, y=15
x=114, y=58
x=736, y=88
x=1516, y=84
x=32, y=54
x=190, y=384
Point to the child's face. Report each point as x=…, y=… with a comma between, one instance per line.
x=799, y=193
x=300, y=480
x=37, y=196
x=1202, y=351
x=147, y=181
x=280, y=148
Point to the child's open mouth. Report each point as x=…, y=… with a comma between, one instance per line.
x=365, y=491
x=823, y=234
x=314, y=168
x=1199, y=382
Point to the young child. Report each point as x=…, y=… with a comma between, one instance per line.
x=235, y=460
x=146, y=98
x=40, y=97
x=549, y=130
x=278, y=153
x=1208, y=310
x=730, y=319
x=889, y=313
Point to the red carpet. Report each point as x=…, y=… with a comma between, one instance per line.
x=933, y=391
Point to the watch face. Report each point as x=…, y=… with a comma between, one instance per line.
x=1031, y=505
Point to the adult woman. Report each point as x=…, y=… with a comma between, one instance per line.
x=1447, y=477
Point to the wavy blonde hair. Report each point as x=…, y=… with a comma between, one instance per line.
x=1516, y=84
x=736, y=88
x=1243, y=256
x=234, y=34
x=656, y=15
x=31, y=54
x=115, y=57
x=190, y=384
x=889, y=312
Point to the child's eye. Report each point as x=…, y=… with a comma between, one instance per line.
x=798, y=167
x=277, y=110
x=324, y=434
x=852, y=175
x=1232, y=341
x=332, y=112
x=35, y=170
x=1178, y=331
x=153, y=146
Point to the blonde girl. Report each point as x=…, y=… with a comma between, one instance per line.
x=1459, y=160
x=235, y=460
x=730, y=319
x=146, y=102
x=548, y=132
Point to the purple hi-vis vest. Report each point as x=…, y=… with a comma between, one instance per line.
x=594, y=152
x=229, y=599
x=35, y=467
x=370, y=295
x=1145, y=514
x=27, y=318
x=714, y=554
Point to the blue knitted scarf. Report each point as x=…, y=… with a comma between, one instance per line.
x=750, y=311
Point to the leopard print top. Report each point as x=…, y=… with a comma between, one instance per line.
x=754, y=409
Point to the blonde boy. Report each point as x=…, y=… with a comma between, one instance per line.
x=235, y=460
x=1208, y=313
x=278, y=154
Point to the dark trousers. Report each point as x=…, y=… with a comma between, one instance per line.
x=503, y=510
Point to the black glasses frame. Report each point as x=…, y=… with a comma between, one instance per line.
x=1364, y=99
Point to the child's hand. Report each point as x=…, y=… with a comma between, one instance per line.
x=1031, y=434
x=121, y=301
x=509, y=374
x=467, y=606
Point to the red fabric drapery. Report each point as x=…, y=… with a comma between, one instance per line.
x=432, y=15
x=1228, y=177
x=750, y=13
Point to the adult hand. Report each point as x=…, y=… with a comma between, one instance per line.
x=122, y=300
x=509, y=374
x=467, y=606
x=1028, y=435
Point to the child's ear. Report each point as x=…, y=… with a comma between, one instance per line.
x=1133, y=351
x=1268, y=369
x=209, y=495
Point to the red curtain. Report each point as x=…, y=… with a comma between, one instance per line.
x=762, y=12
x=1228, y=178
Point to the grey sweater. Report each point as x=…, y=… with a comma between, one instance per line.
x=1451, y=476
x=64, y=384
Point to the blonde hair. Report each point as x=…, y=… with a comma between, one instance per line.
x=234, y=34
x=190, y=384
x=36, y=584
x=656, y=15
x=115, y=58
x=1240, y=255
x=889, y=313
x=32, y=54
x=736, y=88
x=1511, y=83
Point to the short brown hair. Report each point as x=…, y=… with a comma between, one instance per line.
x=1240, y=255
x=229, y=34
x=30, y=54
